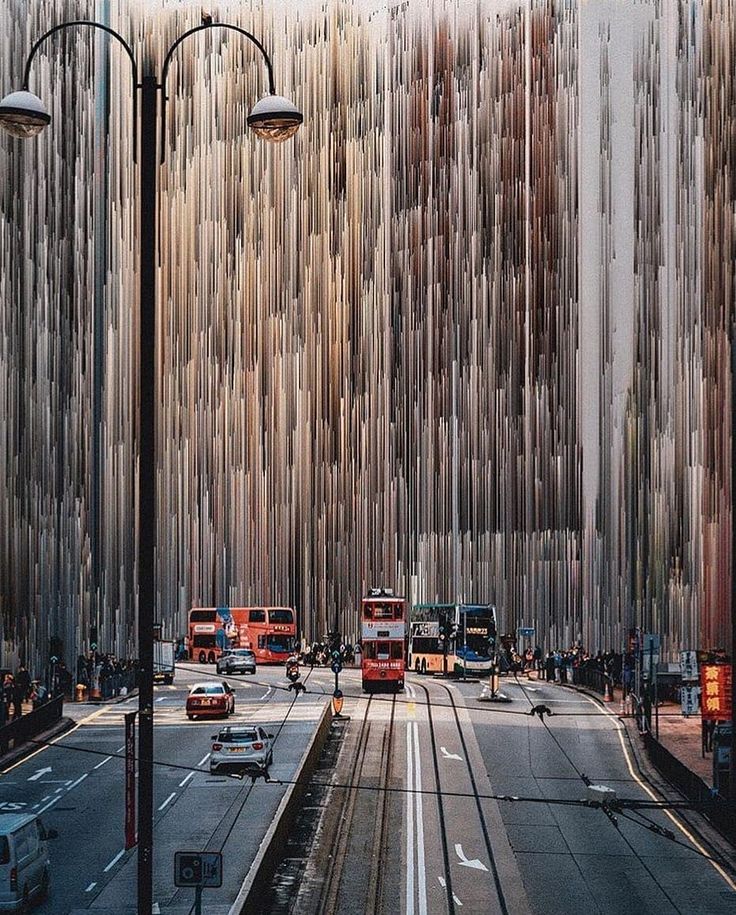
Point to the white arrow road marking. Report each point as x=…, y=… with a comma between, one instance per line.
x=39, y=773
x=443, y=884
x=531, y=689
x=478, y=865
x=449, y=755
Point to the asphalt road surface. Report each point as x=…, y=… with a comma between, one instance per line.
x=77, y=785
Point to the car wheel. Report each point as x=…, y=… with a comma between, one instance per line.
x=424, y=665
x=190, y=717
x=232, y=709
x=25, y=905
x=270, y=759
x=211, y=657
x=202, y=658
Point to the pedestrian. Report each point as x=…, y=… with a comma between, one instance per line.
x=18, y=697
x=550, y=667
x=23, y=679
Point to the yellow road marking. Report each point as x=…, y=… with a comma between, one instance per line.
x=681, y=826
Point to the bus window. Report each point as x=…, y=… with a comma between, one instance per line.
x=383, y=651
x=280, y=616
x=261, y=640
x=257, y=616
x=204, y=641
x=397, y=651
x=202, y=616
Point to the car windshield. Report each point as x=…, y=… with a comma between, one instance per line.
x=239, y=736
x=210, y=689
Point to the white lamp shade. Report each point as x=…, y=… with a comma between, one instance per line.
x=275, y=118
x=23, y=114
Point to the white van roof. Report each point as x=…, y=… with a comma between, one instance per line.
x=10, y=822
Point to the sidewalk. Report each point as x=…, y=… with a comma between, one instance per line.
x=682, y=738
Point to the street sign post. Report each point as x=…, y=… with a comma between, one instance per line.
x=130, y=838
x=198, y=869
x=525, y=632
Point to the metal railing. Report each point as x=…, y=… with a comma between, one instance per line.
x=27, y=726
x=716, y=808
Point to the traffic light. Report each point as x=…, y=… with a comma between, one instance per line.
x=188, y=869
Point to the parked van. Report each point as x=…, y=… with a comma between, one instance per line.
x=24, y=860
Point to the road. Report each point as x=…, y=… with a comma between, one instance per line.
x=77, y=785
x=413, y=822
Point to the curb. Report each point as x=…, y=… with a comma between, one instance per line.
x=267, y=859
x=32, y=744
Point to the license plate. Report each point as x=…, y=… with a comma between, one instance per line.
x=237, y=749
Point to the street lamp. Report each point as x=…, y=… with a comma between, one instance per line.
x=273, y=118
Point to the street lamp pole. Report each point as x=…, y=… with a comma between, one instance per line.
x=273, y=118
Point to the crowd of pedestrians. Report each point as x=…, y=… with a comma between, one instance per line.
x=571, y=665
x=20, y=689
x=106, y=676
x=319, y=654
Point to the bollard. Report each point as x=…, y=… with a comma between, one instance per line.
x=80, y=692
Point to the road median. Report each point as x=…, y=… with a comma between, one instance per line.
x=274, y=842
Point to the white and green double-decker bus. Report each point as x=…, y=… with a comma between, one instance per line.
x=474, y=649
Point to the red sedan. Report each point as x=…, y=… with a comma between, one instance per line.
x=210, y=700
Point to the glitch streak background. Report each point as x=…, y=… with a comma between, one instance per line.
x=467, y=335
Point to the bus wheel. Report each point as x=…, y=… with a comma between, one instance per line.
x=424, y=665
x=211, y=657
x=417, y=667
x=202, y=657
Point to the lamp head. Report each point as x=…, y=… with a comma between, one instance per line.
x=275, y=118
x=23, y=114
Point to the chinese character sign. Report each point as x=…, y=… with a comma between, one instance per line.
x=689, y=696
x=689, y=665
x=715, y=691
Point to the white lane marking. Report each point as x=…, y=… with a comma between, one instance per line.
x=101, y=764
x=475, y=863
x=421, y=872
x=409, y=823
x=22, y=762
x=620, y=727
x=120, y=749
x=268, y=691
x=115, y=860
x=90, y=887
x=161, y=699
x=168, y=800
x=80, y=779
x=39, y=773
x=203, y=760
x=443, y=884
x=186, y=779
x=50, y=803
x=449, y=755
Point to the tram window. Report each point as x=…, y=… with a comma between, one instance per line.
x=369, y=651
x=384, y=611
x=383, y=650
x=368, y=611
x=397, y=651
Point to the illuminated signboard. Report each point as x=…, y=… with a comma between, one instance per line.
x=715, y=691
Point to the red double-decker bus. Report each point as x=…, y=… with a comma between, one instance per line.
x=269, y=631
x=383, y=637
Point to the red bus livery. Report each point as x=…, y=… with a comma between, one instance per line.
x=383, y=636
x=268, y=631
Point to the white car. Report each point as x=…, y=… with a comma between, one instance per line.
x=24, y=860
x=243, y=747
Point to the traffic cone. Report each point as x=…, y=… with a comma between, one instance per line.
x=607, y=691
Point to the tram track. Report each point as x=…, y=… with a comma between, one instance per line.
x=451, y=903
x=364, y=860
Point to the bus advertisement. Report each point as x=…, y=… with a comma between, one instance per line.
x=268, y=631
x=383, y=638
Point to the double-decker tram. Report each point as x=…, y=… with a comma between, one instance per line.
x=430, y=627
x=383, y=637
x=268, y=631
x=475, y=640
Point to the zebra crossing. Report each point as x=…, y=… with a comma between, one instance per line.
x=252, y=712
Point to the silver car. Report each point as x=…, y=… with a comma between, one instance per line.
x=237, y=660
x=244, y=747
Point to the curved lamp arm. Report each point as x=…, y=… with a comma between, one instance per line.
x=201, y=28
x=104, y=28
